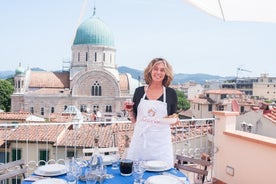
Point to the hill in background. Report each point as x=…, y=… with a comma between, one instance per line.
x=179, y=78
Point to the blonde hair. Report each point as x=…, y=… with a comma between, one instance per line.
x=168, y=71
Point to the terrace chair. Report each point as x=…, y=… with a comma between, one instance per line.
x=198, y=166
x=12, y=169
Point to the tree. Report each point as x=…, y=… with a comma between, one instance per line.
x=6, y=89
x=183, y=103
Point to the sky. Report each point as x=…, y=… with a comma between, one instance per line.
x=40, y=33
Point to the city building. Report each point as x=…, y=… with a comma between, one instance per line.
x=263, y=87
x=220, y=100
x=91, y=83
x=190, y=89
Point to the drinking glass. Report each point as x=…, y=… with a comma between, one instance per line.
x=129, y=104
x=90, y=176
x=101, y=173
x=71, y=179
x=138, y=172
x=115, y=161
x=126, y=167
x=75, y=169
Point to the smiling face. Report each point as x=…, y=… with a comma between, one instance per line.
x=158, y=72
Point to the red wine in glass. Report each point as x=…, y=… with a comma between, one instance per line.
x=129, y=104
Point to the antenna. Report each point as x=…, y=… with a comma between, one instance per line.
x=237, y=76
x=241, y=69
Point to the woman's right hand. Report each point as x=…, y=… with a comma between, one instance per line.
x=128, y=105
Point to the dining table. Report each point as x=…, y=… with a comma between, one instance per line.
x=117, y=178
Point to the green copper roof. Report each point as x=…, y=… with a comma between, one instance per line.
x=19, y=70
x=94, y=31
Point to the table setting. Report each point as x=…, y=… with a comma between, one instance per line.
x=122, y=171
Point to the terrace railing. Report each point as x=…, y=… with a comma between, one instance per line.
x=40, y=143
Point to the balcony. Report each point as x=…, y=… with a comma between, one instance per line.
x=236, y=156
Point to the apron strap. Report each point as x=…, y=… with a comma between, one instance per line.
x=164, y=93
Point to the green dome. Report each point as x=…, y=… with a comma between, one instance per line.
x=19, y=70
x=94, y=31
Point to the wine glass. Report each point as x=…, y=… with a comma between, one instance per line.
x=76, y=170
x=129, y=104
x=138, y=172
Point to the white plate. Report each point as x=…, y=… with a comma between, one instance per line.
x=50, y=180
x=51, y=170
x=156, y=165
x=162, y=179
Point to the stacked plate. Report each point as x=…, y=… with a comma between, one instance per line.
x=162, y=179
x=156, y=165
x=51, y=170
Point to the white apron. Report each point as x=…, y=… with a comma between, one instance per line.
x=151, y=140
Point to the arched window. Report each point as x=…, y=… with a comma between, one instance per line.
x=78, y=56
x=96, y=89
x=95, y=56
x=103, y=56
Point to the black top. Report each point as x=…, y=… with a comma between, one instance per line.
x=171, y=99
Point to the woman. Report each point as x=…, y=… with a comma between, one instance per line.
x=151, y=139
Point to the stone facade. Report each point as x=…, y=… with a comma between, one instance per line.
x=92, y=82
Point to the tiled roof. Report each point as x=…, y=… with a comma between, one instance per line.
x=199, y=100
x=65, y=135
x=36, y=133
x=41, y=79
x=59, y=117
x=85, y=138
x=270, y=114
x=22, y=116
x=3, y=134
x=187, y=113
x=224, y=91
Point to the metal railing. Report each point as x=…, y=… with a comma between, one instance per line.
x=40, y=143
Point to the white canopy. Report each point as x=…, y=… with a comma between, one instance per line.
x=239, y=10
